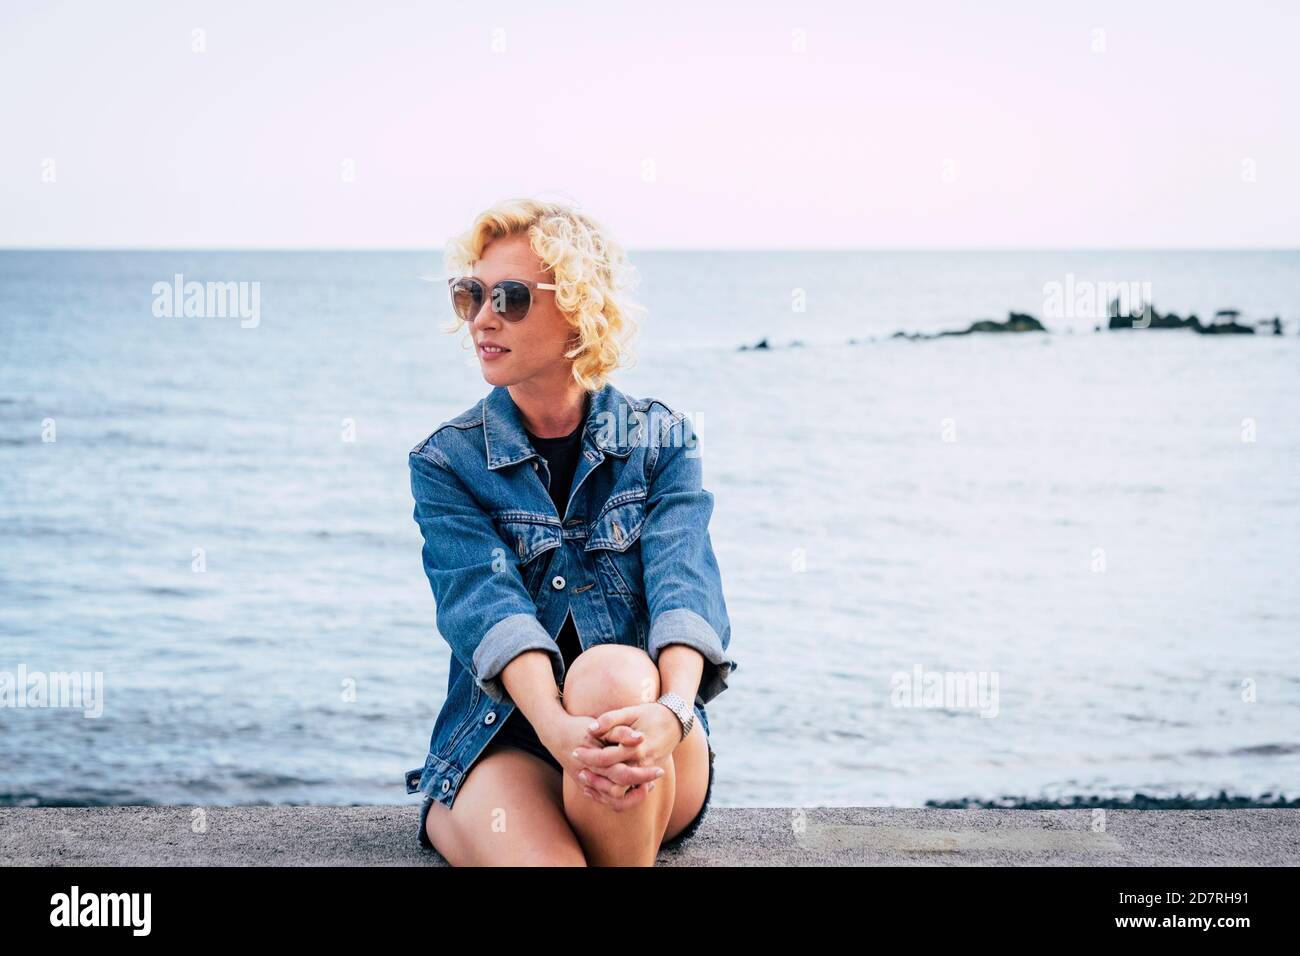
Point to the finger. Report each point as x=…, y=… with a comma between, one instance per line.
x=632, y=799
x=608, y=788
x=605, y=722
x=605, y=799
x=602, y=757
x=590, y=742
x=617, y=804
x=628, y=775
x=624, y=734
x=635, y=775
x=603, y=786
x=601, y=798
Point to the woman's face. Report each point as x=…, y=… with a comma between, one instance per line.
x=538, y=343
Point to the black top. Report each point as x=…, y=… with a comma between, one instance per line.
x=561, y=456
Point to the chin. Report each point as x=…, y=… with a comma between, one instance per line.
x=497, y=376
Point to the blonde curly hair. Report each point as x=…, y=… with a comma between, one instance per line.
x=589, y=267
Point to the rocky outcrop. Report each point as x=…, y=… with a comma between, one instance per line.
x=1148, y=317
x=1016, y=322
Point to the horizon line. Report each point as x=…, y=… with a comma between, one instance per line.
x=639, y=249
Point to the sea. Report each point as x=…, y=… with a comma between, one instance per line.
x=1040, y=566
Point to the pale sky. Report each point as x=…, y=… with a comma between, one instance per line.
x=757, y=125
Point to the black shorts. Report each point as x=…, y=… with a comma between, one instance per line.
x=518, y=732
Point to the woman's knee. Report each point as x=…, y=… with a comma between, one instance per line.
x=607, y=676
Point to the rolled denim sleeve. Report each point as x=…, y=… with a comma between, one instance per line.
x=484, y=610
x=683, y=584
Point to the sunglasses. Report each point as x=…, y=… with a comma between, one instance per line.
x=511, y=298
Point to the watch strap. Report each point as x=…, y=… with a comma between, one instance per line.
x=682, y=708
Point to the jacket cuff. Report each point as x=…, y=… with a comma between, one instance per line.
x=505, y=641
x=683, y=626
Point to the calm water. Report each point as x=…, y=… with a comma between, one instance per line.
x=1077, y=514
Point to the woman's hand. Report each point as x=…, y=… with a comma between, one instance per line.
x=638, y=739
x=608, y=783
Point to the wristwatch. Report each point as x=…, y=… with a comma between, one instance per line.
x=684, y=711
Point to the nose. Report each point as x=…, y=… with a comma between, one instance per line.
x=487, y=317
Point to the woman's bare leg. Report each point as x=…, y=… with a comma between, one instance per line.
x=691, y=769
x=508, y=813
x=606, y=677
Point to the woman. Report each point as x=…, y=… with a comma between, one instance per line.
x=566, y=542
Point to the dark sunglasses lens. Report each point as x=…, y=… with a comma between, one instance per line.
x=467, y=298
x=511, y=299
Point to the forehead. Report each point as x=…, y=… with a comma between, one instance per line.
x=509, y=257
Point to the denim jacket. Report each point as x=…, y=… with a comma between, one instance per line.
x=632, y=561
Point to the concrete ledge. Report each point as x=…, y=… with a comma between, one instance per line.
x=748, y=836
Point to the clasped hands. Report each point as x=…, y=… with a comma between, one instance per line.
x=615, y=756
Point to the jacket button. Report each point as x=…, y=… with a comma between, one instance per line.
x=534, y=466
x=446, y=785
x=491, y=717
x=557, y=582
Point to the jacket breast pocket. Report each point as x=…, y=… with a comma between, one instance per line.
x=530, y=540
x=614, y=542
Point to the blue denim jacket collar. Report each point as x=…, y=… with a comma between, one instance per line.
x=611, y=427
